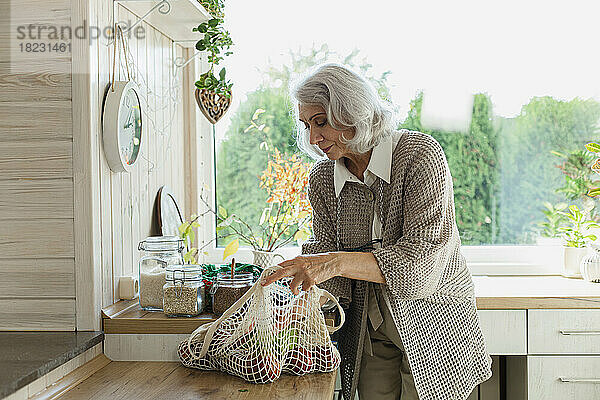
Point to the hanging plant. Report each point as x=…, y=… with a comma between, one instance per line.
x=213, y=93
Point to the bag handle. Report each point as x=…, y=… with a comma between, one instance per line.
x=331, y=297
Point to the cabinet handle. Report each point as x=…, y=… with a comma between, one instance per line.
x=566, y=333
x=574, y=380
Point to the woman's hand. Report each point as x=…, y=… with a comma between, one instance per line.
x=308, y=270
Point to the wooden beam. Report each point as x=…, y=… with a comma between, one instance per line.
x=86, y=181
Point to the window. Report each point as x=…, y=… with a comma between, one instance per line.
x=512, y=99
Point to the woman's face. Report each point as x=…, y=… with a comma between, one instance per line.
x=321, y=133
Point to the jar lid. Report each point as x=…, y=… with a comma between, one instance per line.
x=161, y=243
x=184, y=273
x=239, y=278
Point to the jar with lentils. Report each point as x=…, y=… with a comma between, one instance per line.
x=227, y=289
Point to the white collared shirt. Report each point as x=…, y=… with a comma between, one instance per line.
x=380, y=165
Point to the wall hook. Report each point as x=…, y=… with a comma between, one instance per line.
x=163, y=7
x=180, y=63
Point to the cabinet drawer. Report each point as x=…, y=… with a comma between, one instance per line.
x=563, y=378
x=563, y=331
x=505, y=331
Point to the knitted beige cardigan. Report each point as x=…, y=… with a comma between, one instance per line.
x=428, y=287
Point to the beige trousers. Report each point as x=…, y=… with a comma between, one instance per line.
x=384, y=370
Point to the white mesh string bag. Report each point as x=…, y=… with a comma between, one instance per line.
x=269, y=330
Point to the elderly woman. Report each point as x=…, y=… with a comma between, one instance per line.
x=385, y=241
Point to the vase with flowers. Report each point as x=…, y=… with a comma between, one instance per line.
x=287, y=215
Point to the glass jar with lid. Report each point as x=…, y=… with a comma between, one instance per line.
x=183, y=292
x=159, y=253
x=227, y=289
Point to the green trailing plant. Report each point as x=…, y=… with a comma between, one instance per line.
x=575, y=234
x=594, y=148
x=216, y=41
x=554, y=220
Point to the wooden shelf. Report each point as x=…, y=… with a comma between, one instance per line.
x=177, y=24
x=126, y=316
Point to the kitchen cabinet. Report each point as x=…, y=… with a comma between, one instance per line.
x=548, y=330
x=563, y=377
x=564, y=332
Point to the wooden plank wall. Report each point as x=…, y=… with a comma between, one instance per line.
x=127, y=199
x=37, y=275
x=47, y=270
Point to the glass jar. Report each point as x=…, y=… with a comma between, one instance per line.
x=227, y=290
x=183, y=294
x=159, y=253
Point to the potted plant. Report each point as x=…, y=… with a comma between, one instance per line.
x=576, y=237
x=213, y=94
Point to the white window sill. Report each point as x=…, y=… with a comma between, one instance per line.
x=481, y=260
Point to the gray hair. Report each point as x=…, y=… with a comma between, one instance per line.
x=349, y=100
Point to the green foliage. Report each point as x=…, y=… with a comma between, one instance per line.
x=499, y=170
x=214, y=7
x=186, y=232
x=528, y=170
x=473, y=163
x=240, y=159
x=594, y=148
x=575, y=234
x=577, y=174
x=554, y=220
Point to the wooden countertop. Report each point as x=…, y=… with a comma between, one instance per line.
x=171, y=380
x=530, y=292
x=492, y=293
